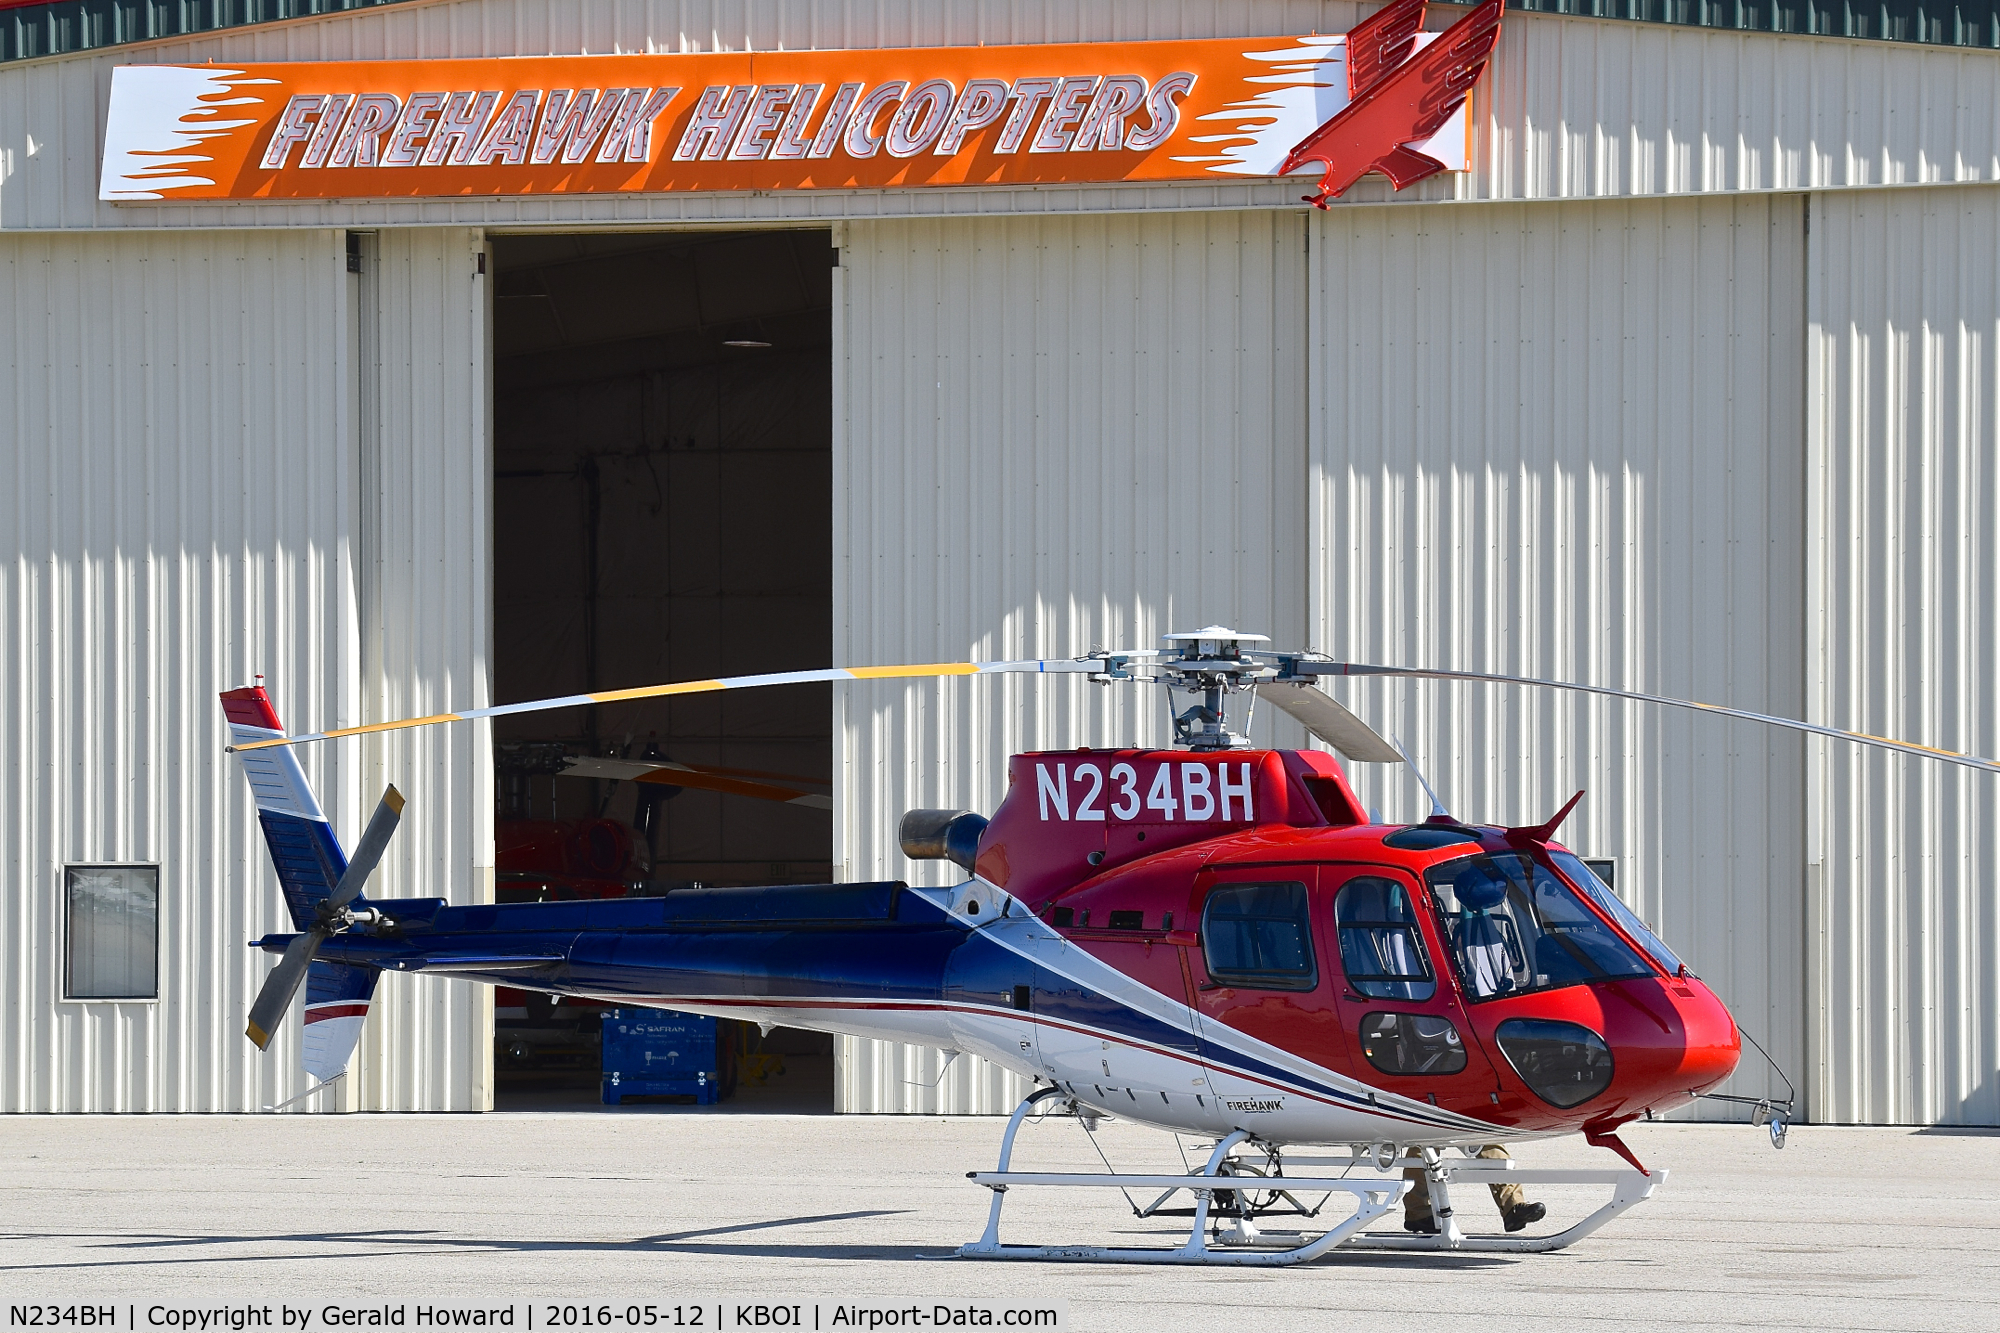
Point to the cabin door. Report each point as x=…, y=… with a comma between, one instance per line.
x=1263, y=989
x=1399, y=1008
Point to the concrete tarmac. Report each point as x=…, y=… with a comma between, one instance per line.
x=1844, y=1229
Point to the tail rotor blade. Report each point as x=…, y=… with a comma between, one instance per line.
x=280, y=986
x=381, y=826
x=1327, y=718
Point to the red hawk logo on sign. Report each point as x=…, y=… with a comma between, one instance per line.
x=1397, y=99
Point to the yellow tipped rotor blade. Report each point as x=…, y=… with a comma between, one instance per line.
x=1606, y=691
x=829, y=674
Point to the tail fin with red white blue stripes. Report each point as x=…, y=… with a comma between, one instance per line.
x=309, y=861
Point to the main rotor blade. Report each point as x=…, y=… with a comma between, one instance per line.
x=721, y=772
x=677, y=775
x=280, y=986
x=388, y=814
x=627, y=770
x=1032, y=666
x=1310, y=668
x=1327, y=718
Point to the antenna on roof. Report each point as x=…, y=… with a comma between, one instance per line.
x=1438, y=815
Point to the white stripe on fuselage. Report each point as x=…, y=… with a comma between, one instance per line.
x=1028, y=937
x=1144, y=1071
x=1009, y=1038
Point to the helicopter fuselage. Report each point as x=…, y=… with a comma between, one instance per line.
x=1199, y=941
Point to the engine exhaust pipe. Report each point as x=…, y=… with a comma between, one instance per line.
x=942, y=835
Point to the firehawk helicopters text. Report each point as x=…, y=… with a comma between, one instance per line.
x=1210, y=939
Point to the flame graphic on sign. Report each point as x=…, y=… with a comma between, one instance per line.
x=158, y=119
x=1306, y=86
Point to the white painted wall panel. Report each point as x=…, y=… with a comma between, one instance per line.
x=1590, y=108
x=172, y=526
x=423, y=528
x=1904, y=342
x=1049, y=434
x=1566, y=442
x=179, y=517
x=1572, y=108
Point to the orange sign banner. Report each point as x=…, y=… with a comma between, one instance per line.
x=792, y=120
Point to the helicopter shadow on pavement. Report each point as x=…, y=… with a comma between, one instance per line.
x=689, y=1242
x=389, y=1242
x=198, y=1248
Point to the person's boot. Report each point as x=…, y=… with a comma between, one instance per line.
x=1422, y=1226
x=1523, y=1215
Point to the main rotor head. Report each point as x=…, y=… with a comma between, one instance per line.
x=1200, y=671
x=1203, y=668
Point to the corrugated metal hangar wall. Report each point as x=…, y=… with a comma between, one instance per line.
x=215, y=474
x=1669, y=392
x=1051, y=434
x=1902, y=585
x=1563, y=440
x=1385, y=433
x=1585, y=441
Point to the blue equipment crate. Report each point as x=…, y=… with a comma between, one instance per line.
x=658, y=1052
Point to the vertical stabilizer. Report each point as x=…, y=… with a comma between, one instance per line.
x=308, y=856
x=310, y=862
x=337, y=999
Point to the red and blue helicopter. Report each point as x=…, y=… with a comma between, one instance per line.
x=1209, y=939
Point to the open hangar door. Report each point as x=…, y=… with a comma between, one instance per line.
x=662, y=511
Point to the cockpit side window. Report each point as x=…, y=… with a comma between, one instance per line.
x=1380, y=947
x=1515, y=928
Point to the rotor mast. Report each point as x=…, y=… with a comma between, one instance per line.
x=1209, y=665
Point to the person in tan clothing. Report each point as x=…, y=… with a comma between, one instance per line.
x=1515, y=1210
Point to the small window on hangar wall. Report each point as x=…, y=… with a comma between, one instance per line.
x=111, y=932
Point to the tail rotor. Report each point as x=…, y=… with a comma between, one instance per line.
x=333, y=916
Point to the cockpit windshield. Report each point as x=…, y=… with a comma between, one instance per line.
x=1581, y=875
x=1516, y=928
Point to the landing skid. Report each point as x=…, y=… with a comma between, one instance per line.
x=1224, y=1185
x=1628, y=1189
